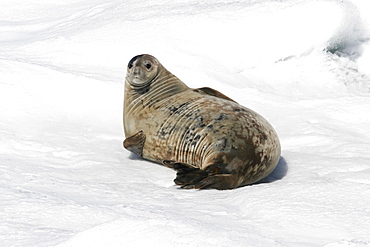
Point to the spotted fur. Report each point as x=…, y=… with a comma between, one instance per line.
x=210, y=140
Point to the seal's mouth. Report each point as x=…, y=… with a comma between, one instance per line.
x=137, y=80
x=140, y=81
x=139, y=85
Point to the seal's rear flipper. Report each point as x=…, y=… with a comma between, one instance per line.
x=213, y=177
x=219, y=181
x=186, y=174
x=135, y=143
x=212, y=92
x=169, y=163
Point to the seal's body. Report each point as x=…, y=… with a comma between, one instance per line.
x=212, y=141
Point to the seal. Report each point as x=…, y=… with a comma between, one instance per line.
x=209, y=139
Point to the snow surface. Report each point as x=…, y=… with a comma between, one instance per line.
x=65, y=179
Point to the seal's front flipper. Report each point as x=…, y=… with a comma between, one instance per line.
x=212, y=92
x=135, y=143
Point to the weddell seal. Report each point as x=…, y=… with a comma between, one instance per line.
x=209, y=139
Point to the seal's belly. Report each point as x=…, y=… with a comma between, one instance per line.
x=201, y=130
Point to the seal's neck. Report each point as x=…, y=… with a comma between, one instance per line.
x=137, y=101
x=163, y=86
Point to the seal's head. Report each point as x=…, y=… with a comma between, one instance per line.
x=141, y=70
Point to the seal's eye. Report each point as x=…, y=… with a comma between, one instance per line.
x=130, y=65
x=148, y=65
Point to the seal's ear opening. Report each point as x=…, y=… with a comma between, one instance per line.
x=131, y=63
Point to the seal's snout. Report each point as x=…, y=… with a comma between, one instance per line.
x=136, y=71
x=138, y=75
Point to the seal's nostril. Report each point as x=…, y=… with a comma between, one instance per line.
x=136, y=71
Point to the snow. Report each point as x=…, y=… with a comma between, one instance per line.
x=65, y=179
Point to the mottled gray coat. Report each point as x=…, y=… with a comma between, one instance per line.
x=210, y=140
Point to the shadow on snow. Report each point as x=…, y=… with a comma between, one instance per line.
x=278, y=173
